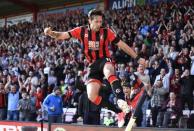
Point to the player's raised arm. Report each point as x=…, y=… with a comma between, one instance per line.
x=121, y=44
x=57, y=35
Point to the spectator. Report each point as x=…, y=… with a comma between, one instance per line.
x=68, y=97
x=186, y=90
x=127, y=93
x=165, y=78
x=3, y=102
x=62, y=86
x=88, y=110
x=25, y=107
x=39, y=98
x=154, y=70
x=33, y=99
x=171, y=110
x=52, y=79
x=174, y=82
x=31, y=82
x=172, y=53
x=13, y=99
x=157, y=99
x=183, y=61
x=146, y=80
x=53, y=105
x=109, y=120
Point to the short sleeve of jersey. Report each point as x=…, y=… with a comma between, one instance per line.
x=112, y=37
x=75, y=32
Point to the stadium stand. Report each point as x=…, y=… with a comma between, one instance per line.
x=34, y=63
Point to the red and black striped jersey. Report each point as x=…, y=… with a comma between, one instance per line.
x=95, y=44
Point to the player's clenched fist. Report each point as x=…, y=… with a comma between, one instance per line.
x=47, y=31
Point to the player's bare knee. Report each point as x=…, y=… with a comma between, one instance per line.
x=108, y=71
x=91, y=97
x=92, y=91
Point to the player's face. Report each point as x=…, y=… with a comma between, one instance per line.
x=95, y=23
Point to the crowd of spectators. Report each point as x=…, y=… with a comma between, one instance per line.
x=32, y=65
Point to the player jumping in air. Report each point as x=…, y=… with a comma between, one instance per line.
x=95, y=41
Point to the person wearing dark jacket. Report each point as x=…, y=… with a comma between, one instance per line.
x=88, y=110
x=186, y=90
x=171, y=110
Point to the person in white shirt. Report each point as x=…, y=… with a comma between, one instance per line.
x=165, y=77
x=165, y=47
x=52, y=79
x=146, y=81
x=172, y=54
x=31, y=82
x=142, y=75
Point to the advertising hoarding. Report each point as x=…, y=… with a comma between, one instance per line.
x=120, y=4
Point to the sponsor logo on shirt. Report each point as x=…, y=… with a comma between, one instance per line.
x=93, y=45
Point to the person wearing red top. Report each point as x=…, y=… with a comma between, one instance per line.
x=135, y=95
x=39, y=98
x=95, y=42
x=3, y=102
x=127, y=91
x=175, y=86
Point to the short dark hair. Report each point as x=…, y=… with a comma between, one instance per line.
x=126, y=84
x=56, y=88
x=94, y=12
